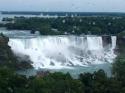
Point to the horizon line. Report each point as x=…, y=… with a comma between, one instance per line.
x=61, y=11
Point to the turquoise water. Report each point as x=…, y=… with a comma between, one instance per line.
x=74, y=71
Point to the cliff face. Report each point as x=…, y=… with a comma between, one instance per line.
x=121, y=46
x=106, y=41
x=7, y=58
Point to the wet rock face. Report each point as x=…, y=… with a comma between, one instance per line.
x=121, y=45
x=106, y=41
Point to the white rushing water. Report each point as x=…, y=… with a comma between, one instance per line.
x=64, y=51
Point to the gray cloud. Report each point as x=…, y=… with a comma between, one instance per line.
x=64, y=5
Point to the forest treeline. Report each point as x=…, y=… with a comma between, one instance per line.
x=104, y=25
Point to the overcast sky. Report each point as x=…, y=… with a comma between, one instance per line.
x=64, y=5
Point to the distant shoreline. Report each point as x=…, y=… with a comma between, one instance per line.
x=64, y=13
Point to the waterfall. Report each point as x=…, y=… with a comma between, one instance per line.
x=64, y=51
x=114, y=39
x=95, y=43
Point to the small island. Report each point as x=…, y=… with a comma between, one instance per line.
x=88, y=25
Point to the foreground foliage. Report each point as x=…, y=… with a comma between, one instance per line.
x=97, y=82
